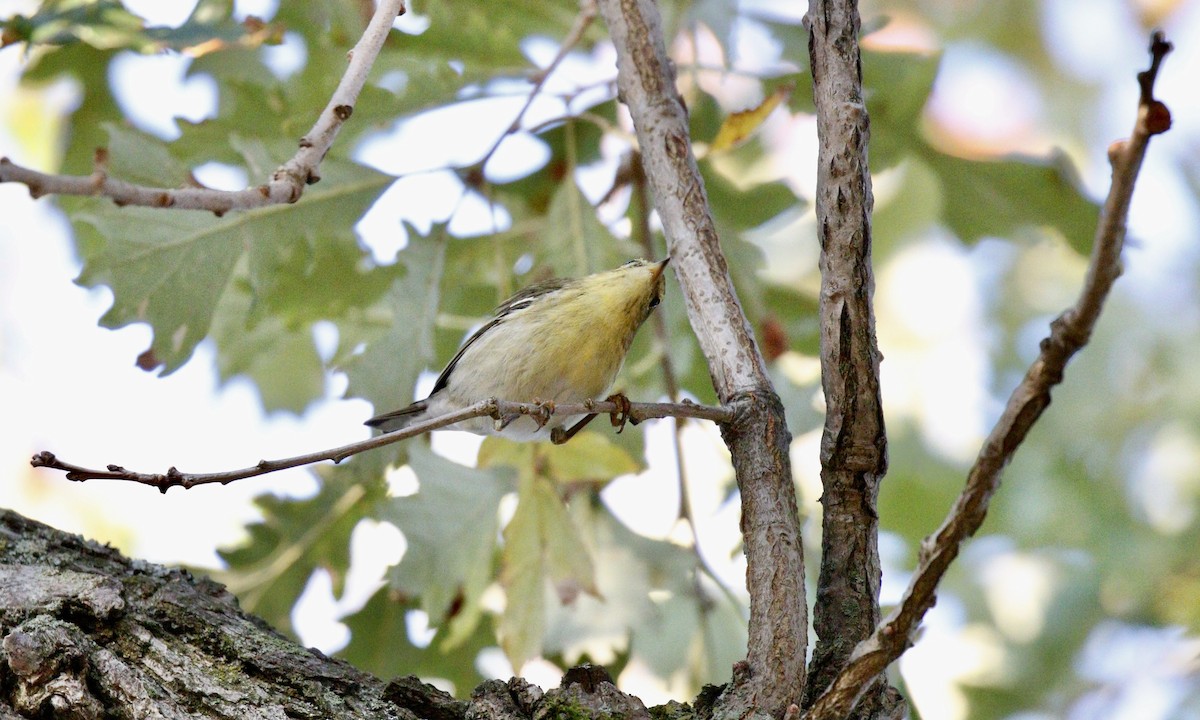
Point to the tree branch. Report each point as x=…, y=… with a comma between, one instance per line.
x=584, y=20
x=853, y=443
x=286, y=184
x=493, y=407
x=772, y=678
x=87, y=633
x=1070, y=332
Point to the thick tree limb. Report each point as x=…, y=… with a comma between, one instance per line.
x=773, y=675
x=86, y=633
x=90, y=634
x=1070, y=332
x=853, y=444
x=286, y=184
x=637, y=412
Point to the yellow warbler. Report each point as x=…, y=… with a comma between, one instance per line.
x=559, y=341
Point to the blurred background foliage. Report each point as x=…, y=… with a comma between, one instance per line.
x=1080, y=597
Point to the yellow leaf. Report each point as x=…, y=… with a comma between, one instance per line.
x=741, y=125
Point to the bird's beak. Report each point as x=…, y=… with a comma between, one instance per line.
x=662, y=266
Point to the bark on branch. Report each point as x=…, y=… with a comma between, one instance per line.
x=853, y=444
x=87, y=634
x=772, y=678
x=1068, y=334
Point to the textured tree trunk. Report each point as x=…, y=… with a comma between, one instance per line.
x=87, y=634
x=854, y=443
x=771, y=680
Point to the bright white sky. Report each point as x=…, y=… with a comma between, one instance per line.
x=71, y=387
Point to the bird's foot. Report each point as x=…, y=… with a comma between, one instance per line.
x=620, y=416
x=541, y=415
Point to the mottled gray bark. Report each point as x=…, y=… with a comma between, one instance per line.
x=87, y=634
x=854, y=444
x=772, y=677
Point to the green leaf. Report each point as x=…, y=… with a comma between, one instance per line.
x=920, y=487
x=523, y=577
x=386, y=371
x=107, y=25
x=540, y=543
x=167, y=269
x=380, y=644
x=170, y=269
x=465, y=46
x=997, y=197
x=590, y=456
x=650, y=603
x=474, y=35
x=295, y=537
x=447, y=563
x=898, y=86
x=337, y=24
x=737, y=208
x=281, y=361
x=578, y=241
x=139, y=158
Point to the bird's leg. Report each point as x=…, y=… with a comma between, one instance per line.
x=558, y=436
x=620, y=416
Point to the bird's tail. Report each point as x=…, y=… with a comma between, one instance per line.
x=399, y=419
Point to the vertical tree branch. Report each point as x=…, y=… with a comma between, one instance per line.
x=1068, y=334
x=773, y=676
x=854, y=444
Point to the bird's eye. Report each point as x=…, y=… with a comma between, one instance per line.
x=654, y=301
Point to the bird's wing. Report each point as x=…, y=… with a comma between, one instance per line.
x=523, y=299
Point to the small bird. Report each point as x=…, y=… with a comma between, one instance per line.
x=558, y=341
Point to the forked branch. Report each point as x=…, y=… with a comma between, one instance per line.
x=1070, y=332
x=287, y=182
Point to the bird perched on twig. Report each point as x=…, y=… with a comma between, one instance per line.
x=558, y=341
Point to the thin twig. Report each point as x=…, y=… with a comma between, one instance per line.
x=493, y=407
x=286, y=184
x=587, y=14
x=1070, y=332
x=635, y=174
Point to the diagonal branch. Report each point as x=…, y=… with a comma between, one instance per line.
x=1070, y=332
x=286, y=184
x=584, y=20
x=636, y=412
